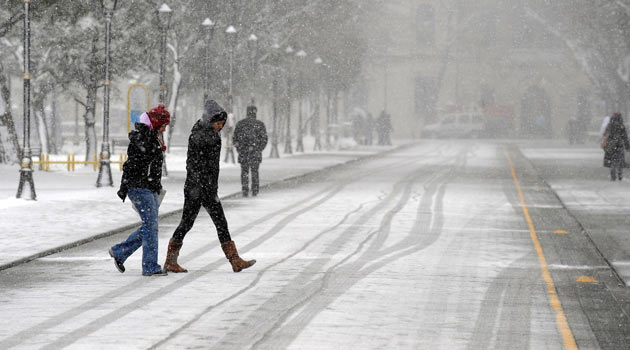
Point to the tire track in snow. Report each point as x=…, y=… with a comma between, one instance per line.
x=335, y=280
x=114, y=315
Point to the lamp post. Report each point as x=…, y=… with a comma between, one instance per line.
x=252, y=44
x=208, y=24
x=275, y=55
x=287, y=143
x=299, y=147
x=105, y=171
x=230, y=34
x=328, y=114
x=164, y=14
x=318, y=143
x=26, y=170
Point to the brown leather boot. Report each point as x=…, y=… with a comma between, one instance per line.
x=231, y=254
x=171, y=257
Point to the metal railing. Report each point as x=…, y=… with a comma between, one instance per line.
x=44, y=161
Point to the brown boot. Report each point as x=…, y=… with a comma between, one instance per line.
x=171, y=257
x=232, y=255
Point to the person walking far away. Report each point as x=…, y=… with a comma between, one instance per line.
x=250, y=139
x=384, y=128
x=201, y=188
x=141, y=182
x=369, y=129
x=572, y=130
x=614, y=143
x=602, y=128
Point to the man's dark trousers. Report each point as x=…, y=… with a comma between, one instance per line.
x=246, y=167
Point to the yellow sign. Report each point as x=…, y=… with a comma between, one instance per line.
x=137, y=103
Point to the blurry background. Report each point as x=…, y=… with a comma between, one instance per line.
x=510, y=69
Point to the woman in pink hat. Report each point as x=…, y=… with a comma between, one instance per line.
x=141, y=182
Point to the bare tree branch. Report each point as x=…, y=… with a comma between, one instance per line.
x=8, y=24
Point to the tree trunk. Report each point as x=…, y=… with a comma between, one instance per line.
x=56, y=141
x=91, y=85
x=90, y=120
x=40, y=122
x=6, y=118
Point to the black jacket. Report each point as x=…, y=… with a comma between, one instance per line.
x=204, y=153
x=250, y=139
x=143, y=168
x=616, y=143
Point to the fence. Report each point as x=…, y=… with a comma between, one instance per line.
x=71, y=162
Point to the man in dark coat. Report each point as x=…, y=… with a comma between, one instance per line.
x=250, y=139
x=615, y=142
x=201, y=187
x=384, y=128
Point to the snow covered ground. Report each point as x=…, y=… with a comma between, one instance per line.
x=70, y=208
x=338, y=258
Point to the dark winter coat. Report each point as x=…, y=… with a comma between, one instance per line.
x=616, y=143
x=250, y=139
x=204, y=152
x=143, y=167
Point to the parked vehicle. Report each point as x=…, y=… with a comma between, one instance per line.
x=457, y=125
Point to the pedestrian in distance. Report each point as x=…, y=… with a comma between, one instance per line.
x=614, y=143
x=201, y=188
x=384, y=128
x=602, y=128
x=369, y=129
x=572, y=130
x=141, y=182
x=250, y=139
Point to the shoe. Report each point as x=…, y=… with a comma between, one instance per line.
x=158, y=273
x=171, y=257
x=118, y=263
x=238, y=264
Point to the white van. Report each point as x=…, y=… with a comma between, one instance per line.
x=456, y=125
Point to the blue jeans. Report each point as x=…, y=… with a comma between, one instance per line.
x=147, y=235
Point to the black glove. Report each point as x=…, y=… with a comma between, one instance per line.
x=122, y=192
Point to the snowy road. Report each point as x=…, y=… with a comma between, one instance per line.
x=441, y=245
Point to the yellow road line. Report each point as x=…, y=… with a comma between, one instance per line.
x=561, y=319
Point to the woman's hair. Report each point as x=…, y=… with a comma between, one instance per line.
x=616, y=118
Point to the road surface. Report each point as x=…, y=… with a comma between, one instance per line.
x=439, y=245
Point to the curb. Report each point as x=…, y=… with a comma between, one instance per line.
x=178, y=211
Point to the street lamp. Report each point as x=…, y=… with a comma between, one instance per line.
x=26, y=170
x=164, y=16
x=230, y=34
x=318, y=143
x=328, y=107
x=275, y=55
x=106, y=170
x=252, y=44
x=208, y=24
x=287, y=143
x=299, y=147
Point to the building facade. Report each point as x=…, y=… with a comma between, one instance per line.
x=430, y=58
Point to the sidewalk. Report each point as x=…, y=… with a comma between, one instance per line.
x=70, y=210
x=577, y=176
